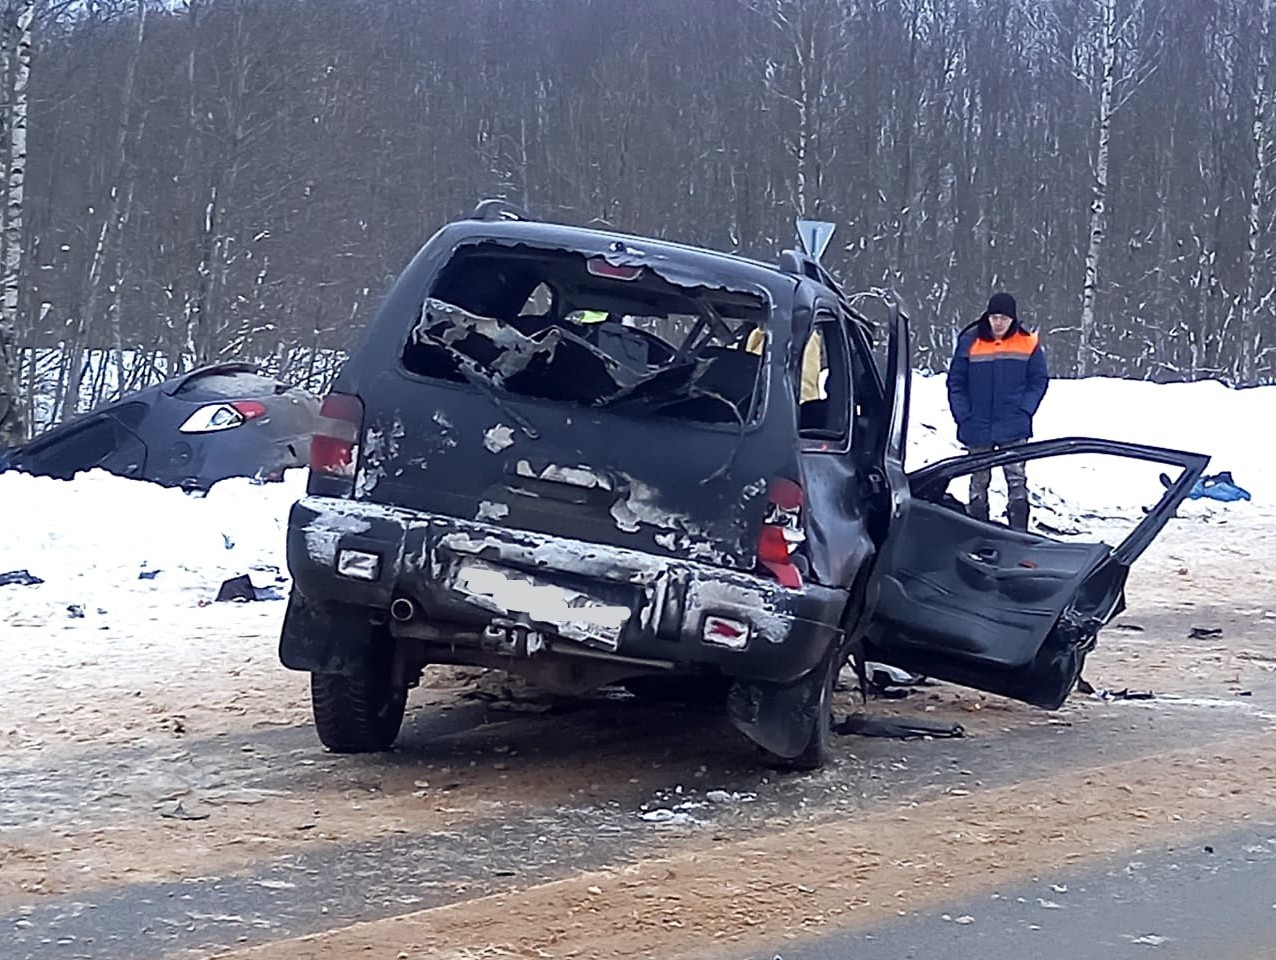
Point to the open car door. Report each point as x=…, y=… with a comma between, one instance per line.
x=984, y=606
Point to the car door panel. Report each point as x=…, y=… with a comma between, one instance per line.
x=963, y=588
x=978, y=604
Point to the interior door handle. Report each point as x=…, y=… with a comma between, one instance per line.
x=987, y=555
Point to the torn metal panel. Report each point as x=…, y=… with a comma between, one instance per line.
x=554, y=362
x=378, y=447
x=323, y=535
x=493, y=512
x=327, y=520
x=752, y=603
x=684, y=267
x=583, y=476
x=598, y=336
x=705, y=587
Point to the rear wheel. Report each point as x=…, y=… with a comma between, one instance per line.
x=359, y=713
x=816, y=753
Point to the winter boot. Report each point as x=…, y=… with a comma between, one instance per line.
x=1017, y=514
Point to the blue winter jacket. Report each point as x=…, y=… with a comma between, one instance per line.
x=996, y=386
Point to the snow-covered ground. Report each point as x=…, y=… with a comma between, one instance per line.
x=117, y=554
x=1232, y=426
x=114, y=548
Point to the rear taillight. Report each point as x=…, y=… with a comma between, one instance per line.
x=250, y=409
x=772, y=547
x=781, y=532
x=334, y=448
x=215, y=417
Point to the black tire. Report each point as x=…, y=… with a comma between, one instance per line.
x=358, y=714
x=817, y=751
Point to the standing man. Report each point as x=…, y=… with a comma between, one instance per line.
x=995, y=385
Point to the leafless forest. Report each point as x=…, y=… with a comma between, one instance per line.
x=204, y=179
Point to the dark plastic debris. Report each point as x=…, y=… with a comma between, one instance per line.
x=1205, y=633
x=897, y=728
x=1126, y=695
x=148, y=574
x=19, y=578
x=179, y=812
x=75, y=611
x=241, y=589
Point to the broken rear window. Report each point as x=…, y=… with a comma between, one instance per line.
x=558, y=326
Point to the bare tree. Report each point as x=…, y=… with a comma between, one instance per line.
x=1098, y=69
x=271, y=185
x=115, y=215
x=797, y=71
x=13, y=426
x=1255, y=306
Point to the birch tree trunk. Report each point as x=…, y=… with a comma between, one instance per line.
x=1099, y=201
x=6, y=91
x=111, y=223
x=1251, y=328
x=13, y=425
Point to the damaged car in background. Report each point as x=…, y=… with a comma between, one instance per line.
x=593, y=459
x=191, y=431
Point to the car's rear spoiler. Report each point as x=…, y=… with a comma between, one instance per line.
x=233, y=366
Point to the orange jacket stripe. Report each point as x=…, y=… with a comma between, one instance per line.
x=1019, y=347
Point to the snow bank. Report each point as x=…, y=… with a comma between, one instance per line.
x=92, y=539
x=101, y=542
x=1234, y=427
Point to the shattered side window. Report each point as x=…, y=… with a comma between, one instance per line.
x=558, y=326
x=824, y=388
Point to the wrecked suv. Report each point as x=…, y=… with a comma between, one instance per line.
x=593, y=459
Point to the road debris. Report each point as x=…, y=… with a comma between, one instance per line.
x=241, y=589
x=723, y=796
x=1204, y=633
x=663, y=815
x=896, y=728
x=179, y=812
x=19, y=578
x=1125, y=694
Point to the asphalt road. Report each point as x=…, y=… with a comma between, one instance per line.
x=578, y=784
x=1214, y=899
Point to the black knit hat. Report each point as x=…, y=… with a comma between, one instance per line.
x=1004, y=304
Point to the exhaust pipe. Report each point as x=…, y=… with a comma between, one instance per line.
x=402, y=610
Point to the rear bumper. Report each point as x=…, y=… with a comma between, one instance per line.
x=623, y=603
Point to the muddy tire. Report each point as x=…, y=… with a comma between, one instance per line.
x=817, y=751
x=360, y=713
